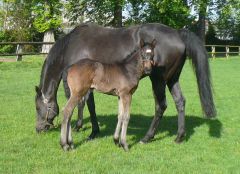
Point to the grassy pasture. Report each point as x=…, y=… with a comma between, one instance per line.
x=211, y=146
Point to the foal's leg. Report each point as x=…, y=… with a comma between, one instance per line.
x=91, y=108
x=66, y=139
x=80, y=104
x=119, y=123
x=180, y=105
x=158, y=86
x=126, y=102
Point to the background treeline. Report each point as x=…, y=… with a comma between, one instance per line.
x=215, y=21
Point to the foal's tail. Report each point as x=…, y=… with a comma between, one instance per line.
x=196, y=50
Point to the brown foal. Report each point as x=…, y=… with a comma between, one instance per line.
x=119, y=79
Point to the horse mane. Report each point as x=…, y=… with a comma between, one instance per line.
x=61, y=45
x=57, y=51
x=130, y=56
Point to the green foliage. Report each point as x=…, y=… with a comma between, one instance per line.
x=173, y=13
x=101, y=12
x=170, y=12
x=16, y=18
x=228, y=19
x=6, y=36
x=211, y=146
x=47, y=15
x=211, y=37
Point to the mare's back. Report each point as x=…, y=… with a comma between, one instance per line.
x=106, y=45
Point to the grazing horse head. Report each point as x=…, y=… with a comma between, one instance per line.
x=46, y=111
x=147, y=54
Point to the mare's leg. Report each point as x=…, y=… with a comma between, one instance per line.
x=126, y=102
x=179, y=99
x=93, y=117
x=66, y=139
x=158, y=86
x=119, y=123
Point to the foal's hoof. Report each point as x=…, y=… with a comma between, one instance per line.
x=125, y=147
x=179, y=138
x=116, y=141
x=65, y=147
x=78, y=126
x=71, y=146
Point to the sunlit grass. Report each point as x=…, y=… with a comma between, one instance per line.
x=211, y=146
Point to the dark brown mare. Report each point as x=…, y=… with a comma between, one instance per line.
x=119, y=79
x=108, y=45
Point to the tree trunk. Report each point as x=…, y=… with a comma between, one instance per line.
x=117, y=20
x=48, y=37
x=201, y=27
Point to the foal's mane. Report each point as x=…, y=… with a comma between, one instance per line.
x=133, y=54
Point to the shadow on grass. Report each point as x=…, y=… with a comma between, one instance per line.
x=139, y=125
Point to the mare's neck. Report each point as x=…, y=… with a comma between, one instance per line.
x=50, y=79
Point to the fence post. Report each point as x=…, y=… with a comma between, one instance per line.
x=19, y=52
x=213, y=52
x=227, y=51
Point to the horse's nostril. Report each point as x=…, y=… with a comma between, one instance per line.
x=47, y=127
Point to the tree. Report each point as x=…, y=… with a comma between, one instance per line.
x=47, y=19
x=228, y=20
x=174, y=13
x=104, y=12
x=16, y=16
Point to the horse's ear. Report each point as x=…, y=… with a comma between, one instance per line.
x=141, y=43
x=154, y=42
x=38, y=91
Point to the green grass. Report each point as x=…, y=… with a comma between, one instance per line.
x=211, y=146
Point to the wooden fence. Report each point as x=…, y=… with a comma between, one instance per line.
x=223, y=50
x=213, y=50
x=19, y=48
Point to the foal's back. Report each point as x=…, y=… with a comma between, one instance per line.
x=106, y=78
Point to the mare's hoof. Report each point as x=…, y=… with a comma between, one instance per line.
x=142, y=142
x=93, y=135
x=77, y=129
x=145, y=140
x=179, y=138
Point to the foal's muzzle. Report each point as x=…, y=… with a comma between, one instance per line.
x=148, y=66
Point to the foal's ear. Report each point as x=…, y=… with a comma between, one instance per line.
x=141, y=43
x=154, y=42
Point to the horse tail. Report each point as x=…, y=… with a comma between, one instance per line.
x=196, y=51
